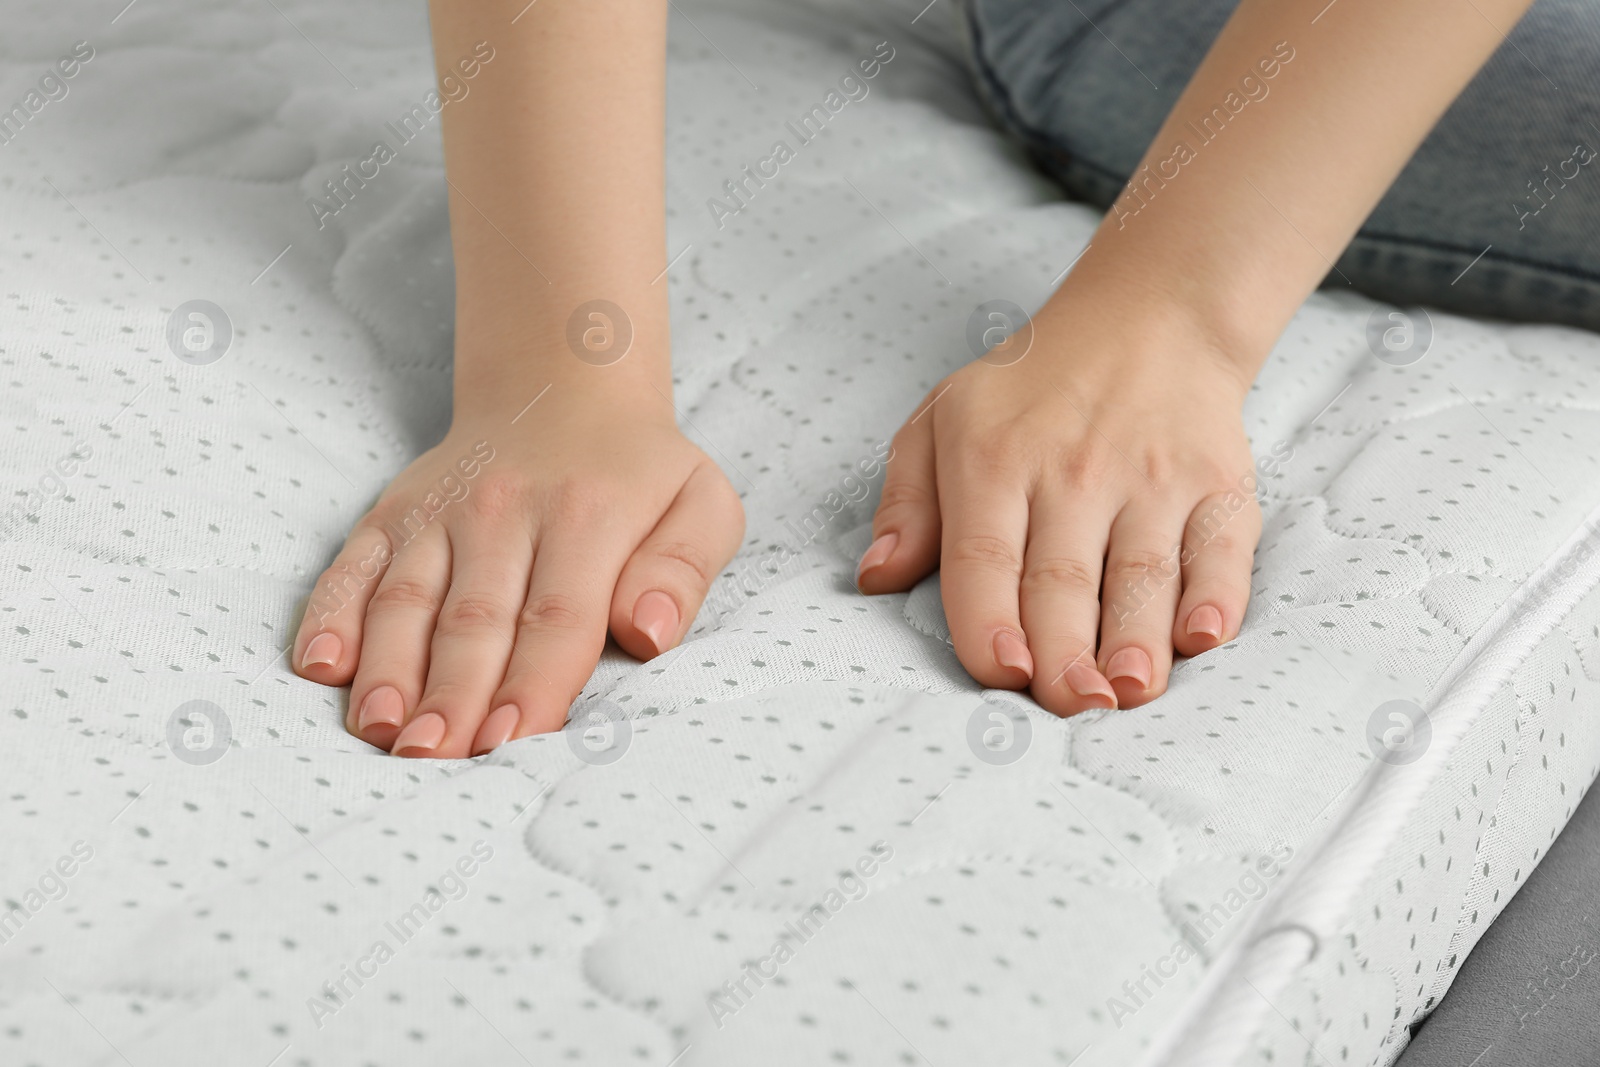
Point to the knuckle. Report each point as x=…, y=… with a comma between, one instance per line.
x=687, y=555
x=369, y=542
x=342, y=575
x=584, y=500
x=496, y=494
x=903, y=493
x=406, y=594
x=1063, y=572
x=1137, y=565
x=1219, y=543
x=1208, y=523
x=1215, y=527
x=999, y=455
x=984, y=550
x=551, y=611
x=463, y=612
x=1159, y=467
x=1086, y=468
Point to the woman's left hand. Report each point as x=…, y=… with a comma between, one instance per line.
x=1090, y=505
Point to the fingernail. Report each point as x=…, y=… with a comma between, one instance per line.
x=496, y=729
x=1091, y=684
x=655, y=615
x=1207, y=620
x=877, y=554
x=1012, y=651
x=383, y=707
x=1130, y=663
x=421, y=736
x=324, y=648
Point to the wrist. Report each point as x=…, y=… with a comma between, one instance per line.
x=531, y=388
x=593, y=345
x=1118, y=329
x=1195, y=279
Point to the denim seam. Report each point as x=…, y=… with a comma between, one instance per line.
x=1577, y=273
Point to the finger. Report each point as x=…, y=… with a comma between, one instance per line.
x=1139, y=597
x=472, y=639
x=328, y=644
x=667, y=577
x=1219, y=544
x=905, y=528
x=984, y=534
x=1060, y=599
x=561, y=629
x=397, y=632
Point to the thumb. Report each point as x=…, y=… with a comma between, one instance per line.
x=905, y=528
x=666, y=579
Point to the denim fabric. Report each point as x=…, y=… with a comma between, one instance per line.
x=1510, y=168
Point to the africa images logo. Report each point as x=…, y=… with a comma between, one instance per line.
x=405, y=129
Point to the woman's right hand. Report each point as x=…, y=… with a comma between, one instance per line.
x=470, y=605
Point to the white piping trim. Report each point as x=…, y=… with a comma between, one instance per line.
x=1228, y=1008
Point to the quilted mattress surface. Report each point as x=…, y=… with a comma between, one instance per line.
x=806, y=836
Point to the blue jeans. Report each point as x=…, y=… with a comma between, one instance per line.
x=1497, y=214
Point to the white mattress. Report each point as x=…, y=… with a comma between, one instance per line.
x=803, y=726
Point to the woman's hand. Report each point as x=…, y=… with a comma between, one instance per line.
x=1056, y=492
x=1090, y=506
x=470, y=606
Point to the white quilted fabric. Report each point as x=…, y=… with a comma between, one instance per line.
x=801, y=855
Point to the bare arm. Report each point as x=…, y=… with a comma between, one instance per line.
x=1246, y=228
x=556, y=168
x=470, y=605
x=1092, y=507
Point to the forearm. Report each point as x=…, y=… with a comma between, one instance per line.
x=1238, y=216
x=555, y=163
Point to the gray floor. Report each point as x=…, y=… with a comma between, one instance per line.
x=1530, y=991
